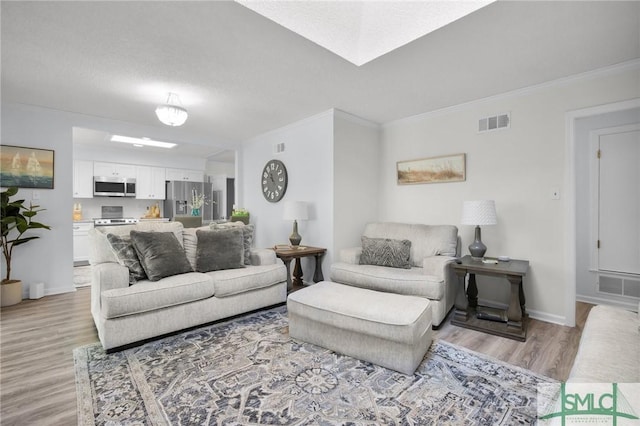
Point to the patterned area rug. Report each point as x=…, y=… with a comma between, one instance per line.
x=249, y=372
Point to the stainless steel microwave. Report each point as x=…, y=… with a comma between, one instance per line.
x=107, y=186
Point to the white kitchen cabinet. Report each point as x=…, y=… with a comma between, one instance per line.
x=114, y=169
x=81, y=241
x=82, y=179
x=150, y=183
x=185, y=174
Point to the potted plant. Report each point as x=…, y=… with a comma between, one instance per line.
x=16, y=221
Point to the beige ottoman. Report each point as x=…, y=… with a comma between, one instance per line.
x=387, y=329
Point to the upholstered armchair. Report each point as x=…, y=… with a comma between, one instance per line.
x=412, y=259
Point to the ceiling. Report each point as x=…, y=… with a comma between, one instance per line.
x=240, y=74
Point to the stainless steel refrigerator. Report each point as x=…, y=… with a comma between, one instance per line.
x=179, y=196
x=212, y=210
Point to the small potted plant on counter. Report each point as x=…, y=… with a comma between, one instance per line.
x=16, y=221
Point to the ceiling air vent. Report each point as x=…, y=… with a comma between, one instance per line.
x=278, y=148
x=494, y=122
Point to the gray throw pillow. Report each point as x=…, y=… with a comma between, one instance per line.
x=223, y=249
x=160, y=254
x=247, y=233
x=386, y=252
x=127, y=256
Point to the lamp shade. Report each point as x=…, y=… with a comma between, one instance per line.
x=296, y=210
x=481, y=212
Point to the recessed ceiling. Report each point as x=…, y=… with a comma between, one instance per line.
x=360, y=31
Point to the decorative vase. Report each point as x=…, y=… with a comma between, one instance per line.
x=195, y=212
x=11, y=293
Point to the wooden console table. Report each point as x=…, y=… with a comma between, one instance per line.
x=511, y=323
x=288, y=254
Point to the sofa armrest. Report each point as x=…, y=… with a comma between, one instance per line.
x=437, y=265
x=351, y=255
x=106, y=276
x=263, y=257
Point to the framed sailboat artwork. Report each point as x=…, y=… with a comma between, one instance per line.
x=26, y=167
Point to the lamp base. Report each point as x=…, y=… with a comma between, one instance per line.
x=295, y=238
x=477, y=249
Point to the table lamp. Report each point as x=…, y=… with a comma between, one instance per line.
x=295, y=210
x=478, y=213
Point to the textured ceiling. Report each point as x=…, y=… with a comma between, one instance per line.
x=240, y=74
x=360, y=31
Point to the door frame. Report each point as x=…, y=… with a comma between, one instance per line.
x=570, y=179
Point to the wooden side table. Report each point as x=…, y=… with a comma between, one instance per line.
x=511, y=323
x=288, y=254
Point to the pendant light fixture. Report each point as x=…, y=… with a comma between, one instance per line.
x=172, y=113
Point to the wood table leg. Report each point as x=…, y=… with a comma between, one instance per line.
x=287, y=263
x=472, y=291
x=514, y=312
x=462, y=302
x=297, y=274
x=317, y=275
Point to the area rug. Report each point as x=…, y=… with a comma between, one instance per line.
x=248, y=371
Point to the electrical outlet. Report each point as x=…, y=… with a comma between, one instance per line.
x=36, y=195
x=555, y=193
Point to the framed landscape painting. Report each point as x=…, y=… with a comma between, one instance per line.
x=26, y=167
x=448, y=168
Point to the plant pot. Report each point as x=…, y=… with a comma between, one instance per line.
x=11, y=293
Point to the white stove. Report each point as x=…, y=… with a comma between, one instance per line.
x=115, y=221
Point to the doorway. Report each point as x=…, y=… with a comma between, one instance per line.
x=582, y=271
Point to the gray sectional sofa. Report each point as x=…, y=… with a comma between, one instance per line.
x=126, y=314
x=427, y=274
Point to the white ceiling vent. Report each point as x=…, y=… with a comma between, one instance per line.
x=278, y=148
x=495, y=122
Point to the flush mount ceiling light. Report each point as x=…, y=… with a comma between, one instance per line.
x=141, y=141
x=360, y=31
x=172, y=113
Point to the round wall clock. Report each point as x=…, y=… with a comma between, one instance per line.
x=274, y=181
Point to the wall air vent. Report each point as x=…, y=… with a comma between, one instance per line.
x=278, y=147
x=494, y=122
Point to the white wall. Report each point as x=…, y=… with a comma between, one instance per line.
x=517, y=168
x=356, y=160
x=308, y=157
x=586, y=281
x=50, y=258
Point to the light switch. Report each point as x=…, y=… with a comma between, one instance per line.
x=555, y=193
x=36, y=195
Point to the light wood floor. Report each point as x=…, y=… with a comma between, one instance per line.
x=37, y=381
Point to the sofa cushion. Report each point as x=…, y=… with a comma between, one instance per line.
x=411, y=282
x=217, y=250
x=234, y=281
x=426, y=240
x=148, y=296
x=247, y=235
x=127, y=256
x=160, y=254
x=386, y=252
x=100, y=250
